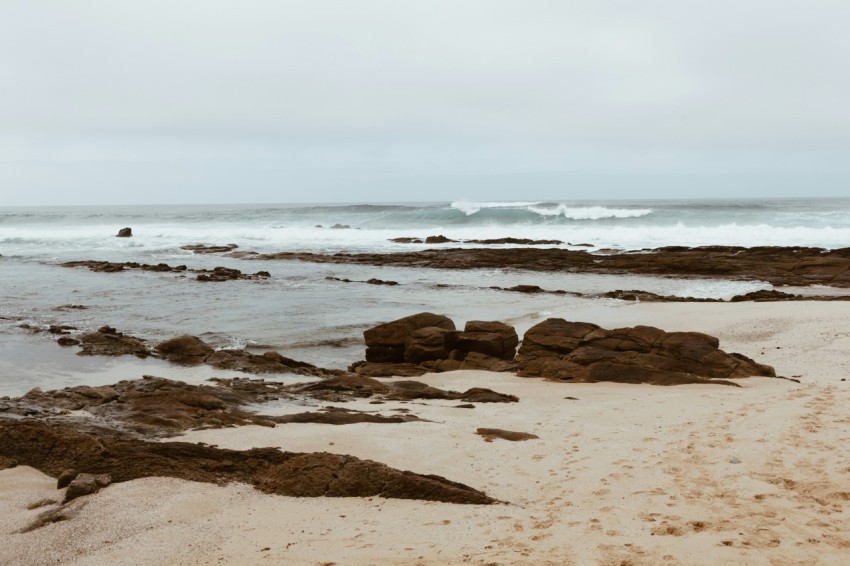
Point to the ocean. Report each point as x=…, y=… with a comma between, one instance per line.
x=304, y=314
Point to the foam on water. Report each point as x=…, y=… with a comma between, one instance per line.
x=305, y=316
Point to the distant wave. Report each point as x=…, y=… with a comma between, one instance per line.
x=555, y=209
x=470, y=208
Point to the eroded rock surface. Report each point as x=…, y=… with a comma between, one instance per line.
x=796, y=266
x=53, y=449
x=585, y=352
x=217, y=274
x=557, y=349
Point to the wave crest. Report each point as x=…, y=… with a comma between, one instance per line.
x=554, y=209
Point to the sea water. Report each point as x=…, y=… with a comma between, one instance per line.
x=302, y=313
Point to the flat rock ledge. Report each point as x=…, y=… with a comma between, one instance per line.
x=53, y=449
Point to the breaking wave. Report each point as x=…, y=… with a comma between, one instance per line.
x=548, y=209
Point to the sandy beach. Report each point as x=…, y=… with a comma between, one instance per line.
x=620, y=474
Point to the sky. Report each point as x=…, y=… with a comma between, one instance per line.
x=210, y=101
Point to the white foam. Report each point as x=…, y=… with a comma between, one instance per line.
x=470, y=208
x=590, y=212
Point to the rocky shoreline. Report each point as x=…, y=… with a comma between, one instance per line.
x=780, y=266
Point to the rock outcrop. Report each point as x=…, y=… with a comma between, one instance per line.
x=53, y=449
x=424, y=342
x=776, y=265
x=554, y=349
x=584, y=352
x=109, y=342
x=386, y=342
x=217, y=274
x=124, y=233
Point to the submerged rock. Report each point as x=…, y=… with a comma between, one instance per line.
x=124, y=233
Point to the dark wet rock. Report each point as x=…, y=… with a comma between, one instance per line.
x=490, y=433
x=337, y=416
x=372, y=281
x=515, y=241
x=426, y=342
x=649, y=297
x=429, y=343
x=124, y=233
x=65, y=478
x=152, y=406
x=585, y=352
x=407, y=240
x=217, y=274
x=109, y=342
x=208, y=249
x=61, y=329
x=86, y=484
x=765, y=295
x=220, y=274
x=389, y=369
x=439, y=240
x=7, y=462
x=492, y=338
x=340, y=227
x=526, y=289
x=191, y=350
x=70, y=306
x=52, y=449
x=386, y=342
x=186, y=350
x=348, y=386
x=798, y=266
x=67, y=341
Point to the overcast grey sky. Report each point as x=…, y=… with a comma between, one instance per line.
x=209, y=101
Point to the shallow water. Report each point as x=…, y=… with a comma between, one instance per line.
x=304, y=315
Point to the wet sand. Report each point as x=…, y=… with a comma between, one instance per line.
x=621, y=474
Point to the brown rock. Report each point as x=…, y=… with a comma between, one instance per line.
x=108, y=342
x=124, y=233
x=52, y=449
x=777, y=265
x=86, y=484
x=187, y=350
x=386, y=342
x=427, y=343
x=490, y=433
x=65, y=478
x=491, y=338
x=438, y=240
x=558, y=349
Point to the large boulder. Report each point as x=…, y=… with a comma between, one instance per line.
x=580, y=351
x=188, y=350
x=385, y=343
x=429, y=343
x=491, y=338
x=109, y=342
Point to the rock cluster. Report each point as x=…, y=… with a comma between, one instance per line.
x=209, y=249
x=425, y=342
x=554, y=349
x=215, y=274
x=581, y=351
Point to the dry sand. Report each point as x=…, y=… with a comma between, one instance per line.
x=623, y=474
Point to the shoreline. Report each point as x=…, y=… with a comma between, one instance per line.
x=635, y=472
